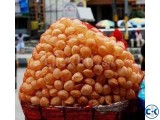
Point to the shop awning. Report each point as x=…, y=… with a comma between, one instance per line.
x=106, y=2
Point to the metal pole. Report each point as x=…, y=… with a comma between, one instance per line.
x=126, y=19
x=85, y=3
x=56, y=10
x=15, y=68
x=114, y=10
x=50, y=11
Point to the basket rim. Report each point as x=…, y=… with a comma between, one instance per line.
x=114, y=107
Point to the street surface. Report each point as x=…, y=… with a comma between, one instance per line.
x=18, y=110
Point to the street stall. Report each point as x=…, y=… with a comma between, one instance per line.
x=135, y=41
x=76, y=72
x=105, y=24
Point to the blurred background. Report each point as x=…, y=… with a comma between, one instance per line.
x=33, y=17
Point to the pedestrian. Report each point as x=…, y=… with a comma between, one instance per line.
x=20, y=43
x=143, y=57
x=119, y=37
x=132, y=39
x=139, y=39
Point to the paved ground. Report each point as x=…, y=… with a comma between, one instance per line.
x=23, y=56
x=18, y=110
x=20, y=72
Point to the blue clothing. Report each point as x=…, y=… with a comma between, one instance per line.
x=141, y=95
x=20, y=44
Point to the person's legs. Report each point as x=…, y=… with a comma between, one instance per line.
x=18, y=48
x=22, y=48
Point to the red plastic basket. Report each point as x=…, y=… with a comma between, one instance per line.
x=105, y=116
x=32, y=112
x=79, y=113
x=53, y=113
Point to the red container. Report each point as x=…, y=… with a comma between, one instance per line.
x=53, y=113
x=32, y=112
x=105, y=116
x=79, y=113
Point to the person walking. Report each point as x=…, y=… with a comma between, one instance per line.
x=143, y=57
x=20, y=43
x=119, y=37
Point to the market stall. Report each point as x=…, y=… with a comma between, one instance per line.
x=77, y=72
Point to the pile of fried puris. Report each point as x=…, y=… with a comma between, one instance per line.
x=73, y=65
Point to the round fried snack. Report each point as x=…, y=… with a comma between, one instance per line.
x=77, y=77
x=75, y=64
x=106, y=90
x=130, y=94
x=94, y=95
x=86, y=90
x=56, y=101
x=113, y=82
x=101, y=79
x=66, y=75
x=82, y=101
x=80, y=67
x=108, y=73
x=69, y=85
x=88, y=73
x=44, y=102
x=88, y=63
x=35, y=100
x=63, y=94
x=101, y=100
x=90, y=81
x=122, y=81
x=97, y=59
x=85, y=52
x=93, y=102
x=119, y=63
x=69, y=101
x=108, y=59
x=115, y=90
x=57, y=73
x=122, y=72
x=108, y=99
x=116, y=98
x=122, y=92
x=128, y=85
x=58, y=84
x=53, y=92
x=98, y=88
x=39, y=94
x=75, y=93
x=98, y=69
x=27, y=88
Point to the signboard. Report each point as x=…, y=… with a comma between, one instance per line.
x=17, y=8
x=80, y=3
x=70, y=10
x=85, y=13
x=140, y=1
x=21, y=6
